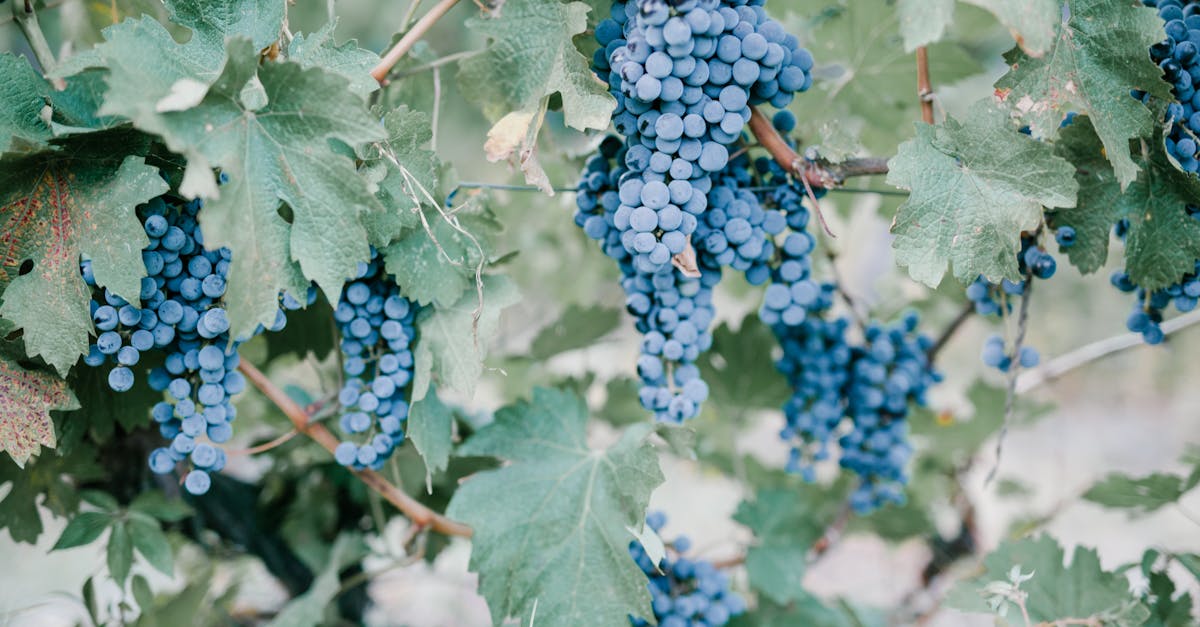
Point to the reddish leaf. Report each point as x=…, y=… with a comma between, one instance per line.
x=29, y=396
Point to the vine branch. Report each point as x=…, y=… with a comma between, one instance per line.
x=1088, y=353
x=416, y=512
x=410, y=38
x=817, y=173
x=924, y=85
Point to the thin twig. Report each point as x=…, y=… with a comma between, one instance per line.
x=1010, y=396
x=27, y=21
x=964, y=314
x=437, y=106
x=410, y=507
x=851, y=301
x=51, y=4
x=409, y=14
x=1086, y=354
x=410, y=38
x=263, y=448
x=436, y=63
x=924, y=85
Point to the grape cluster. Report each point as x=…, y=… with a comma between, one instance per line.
x=859, y=394
x=671, y=310
x=1032, y=262
x=1149, y=307
x=1179, y=60
x=684, y=76
x=376, y=325
x=685, y=592
x=992, y=299
x=180, y=310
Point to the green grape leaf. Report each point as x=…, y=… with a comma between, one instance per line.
x=785, y=526
x=1167, y=607
x=975, y=186
x=1100, y=202
x=1033, y=23
x=531, y=56
x=863, y=74
x=621, y=404
x=23, y=95
x=49, y=480
x=1140, y=496
x=151, y=543
x=1079, y=590
x=552, y=528
x=407, y=173
x=431, y=428
x=264, y=130
x=120, y=552
x=438, y=265
x=55, y=208
x=214, y=21
x=1096, y=58
x=347, y=60
x=451, y=343
x=923, y=22
x=83, y=528
x=1163, y=241
x=29, y=395
x=577, y=327
x=739, y=369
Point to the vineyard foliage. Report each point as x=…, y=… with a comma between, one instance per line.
x=338, y=288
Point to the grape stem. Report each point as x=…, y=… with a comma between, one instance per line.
x=26, y=19
x=1010, y=395
x=410, y=38
x=924, y=85
x=410, y=507
x=964, y=314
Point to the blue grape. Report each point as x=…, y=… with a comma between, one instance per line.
x=197, y=482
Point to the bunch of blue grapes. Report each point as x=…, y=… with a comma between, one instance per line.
x=671, y=310
x=684, y=75
x=889, y=372
x=736, y=230
x=1149, y=308
x=1178, y=57
x=684, y=592
x=1032, y=262
x=376, y=325
x=992, y=299
x=856, y=394
x=180, y=311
